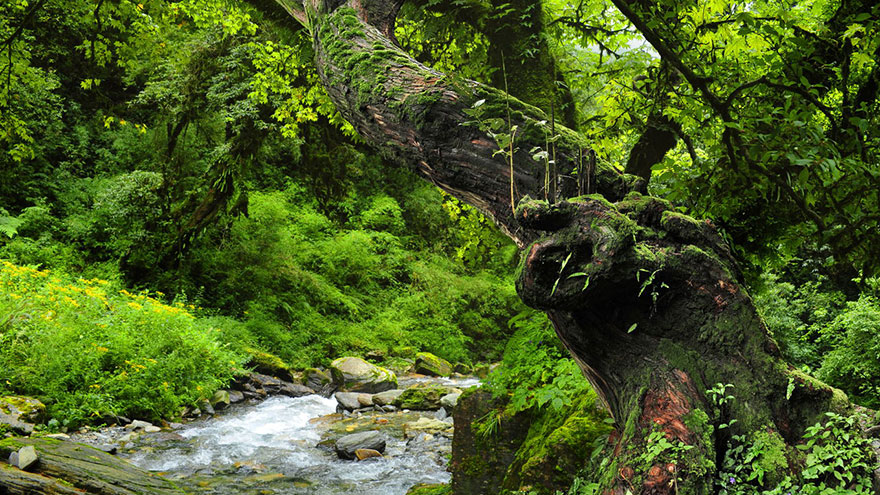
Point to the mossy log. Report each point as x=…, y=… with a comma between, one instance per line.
x=648, y=301
x=69, y=467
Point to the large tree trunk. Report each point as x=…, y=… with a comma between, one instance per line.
x=647, y=300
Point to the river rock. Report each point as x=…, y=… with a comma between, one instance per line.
x=449, y=401
x=73, y=468
x=387, y=397
x=421, y=398
x=351, y=401
x=353, y=374
x=235, y=396
x=220, y=400
x=142, y=425
x=462, y=369
x=347, y=445
x=440, y=414
x=206, y=407
x=362, y=454
x=294, y=390
x=319, y=381
x=20, y=414
x=431, y=365
x=426, y=425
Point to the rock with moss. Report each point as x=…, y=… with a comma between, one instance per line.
x=430, y=489
x=319, y=381
x=429, y=364
x=268, y=364
x=422, y=398
x=353, y=374
x=68, y=467
x=20, y=414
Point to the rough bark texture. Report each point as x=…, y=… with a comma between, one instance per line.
x=647, y=300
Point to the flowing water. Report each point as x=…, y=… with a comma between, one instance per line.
x=284, y=445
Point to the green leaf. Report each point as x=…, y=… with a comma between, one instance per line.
x=632, y=327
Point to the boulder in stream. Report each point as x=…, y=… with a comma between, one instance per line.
x=353, y=374
x=429, y=364
x=421, y=398
x=387, y=397
x=351, y=401
x=347, y=445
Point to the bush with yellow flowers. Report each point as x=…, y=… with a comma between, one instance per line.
x=89, y=349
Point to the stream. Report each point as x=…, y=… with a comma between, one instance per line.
x=284, y=445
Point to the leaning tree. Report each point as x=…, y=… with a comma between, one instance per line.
x=649, y=301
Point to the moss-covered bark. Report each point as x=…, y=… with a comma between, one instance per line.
x=648, y=302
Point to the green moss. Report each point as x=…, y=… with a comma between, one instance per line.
x=30, y=410
x=697, y=422
x=266, y=361
x=421, y=398
x=474, y=465
x=770, y=459
x=430, y=489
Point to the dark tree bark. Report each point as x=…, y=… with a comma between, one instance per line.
x=648, y=300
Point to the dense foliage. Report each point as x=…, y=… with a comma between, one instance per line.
x=189, y=148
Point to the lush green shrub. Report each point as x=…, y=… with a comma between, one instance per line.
x=853, y=364
x=536, y=371
x=88, y=349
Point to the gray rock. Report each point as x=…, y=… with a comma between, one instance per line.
x=347, y=445
x=449, y=401
x=27, y=457
x=319, y=381
x=13, y=458
x=388, y=408
x=59, y=436
x=220, y=400
x=387, y=397
x=235, y=396
x=152, y=429
x=351, y=401
x=353, y=374
x=138, y=425
x=440, y=414
x=206, y=408
x=294, y=390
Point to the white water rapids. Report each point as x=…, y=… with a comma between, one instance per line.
x=272, y=447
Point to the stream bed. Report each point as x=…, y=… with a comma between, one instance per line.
x=284, y=445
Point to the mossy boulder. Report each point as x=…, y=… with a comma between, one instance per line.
x=429, y=364
x=353, y=374
x=19, y=414
x=421, y=398
x=69, y=467
x=268, y=364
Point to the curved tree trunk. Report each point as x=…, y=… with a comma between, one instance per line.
x=647, y=300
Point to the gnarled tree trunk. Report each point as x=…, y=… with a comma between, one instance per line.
x=647, y=300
